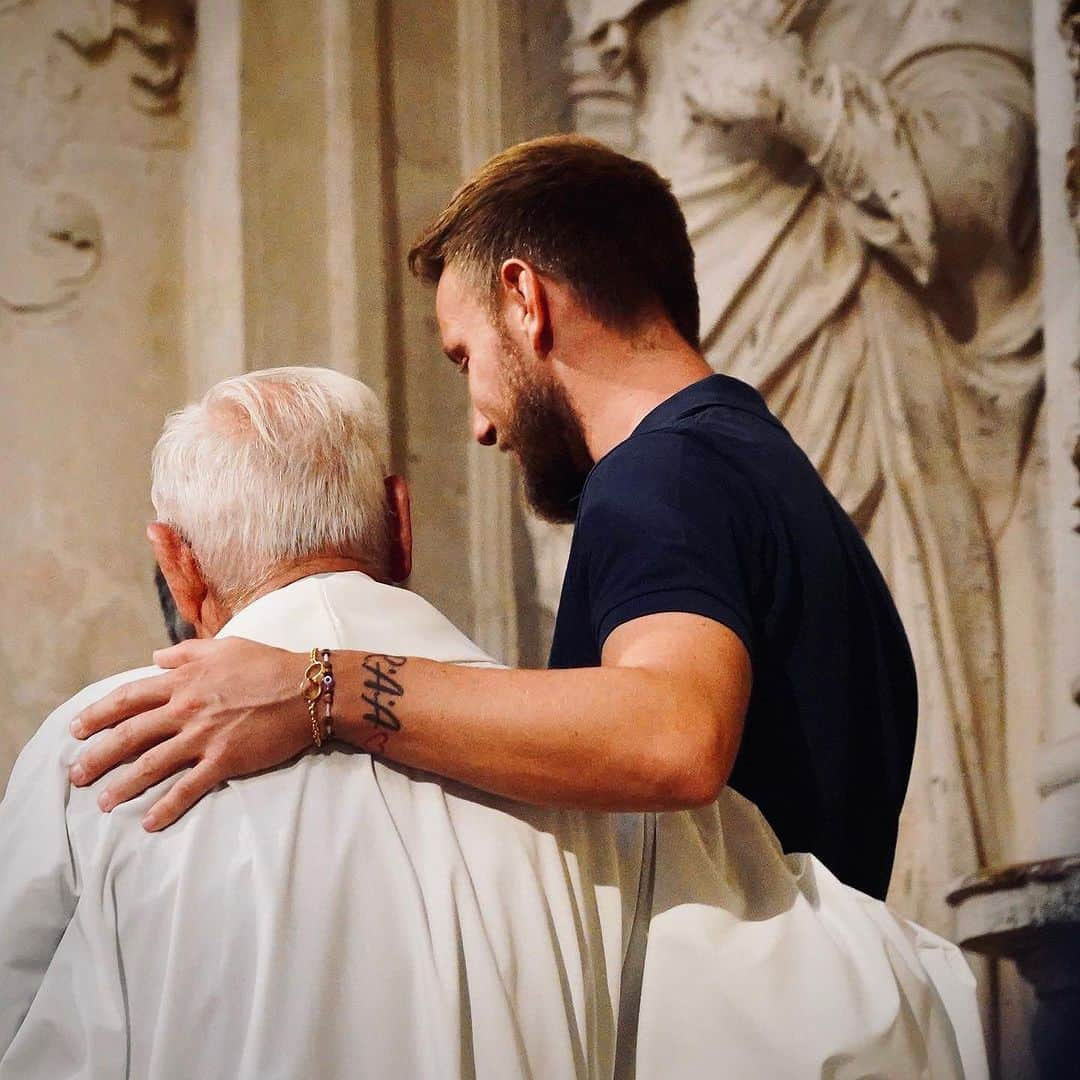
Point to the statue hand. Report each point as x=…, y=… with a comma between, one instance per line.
x=739, y=71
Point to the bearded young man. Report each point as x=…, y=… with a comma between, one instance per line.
x=721, y=620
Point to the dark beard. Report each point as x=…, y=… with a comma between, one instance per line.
x=547, y=436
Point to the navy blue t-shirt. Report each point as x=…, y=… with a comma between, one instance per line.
x=710, y=508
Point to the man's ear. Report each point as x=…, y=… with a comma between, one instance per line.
x=399, y=518
x=180, y=568
x=526, y=295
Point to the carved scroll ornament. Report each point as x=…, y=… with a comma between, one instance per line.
x=163, y=32
x=64, y=241
x=55, y=238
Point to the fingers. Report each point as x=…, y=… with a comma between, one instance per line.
x=183, y=653
x=188, y=715
x=123, y=703
x=122, y=743
x=149, y=769
x=182, y=796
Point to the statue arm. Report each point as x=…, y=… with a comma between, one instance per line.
x=931, y=162
x=858, y=139
x=742, y=72
x=927, y=163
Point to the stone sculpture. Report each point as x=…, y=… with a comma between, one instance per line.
x=858, y=183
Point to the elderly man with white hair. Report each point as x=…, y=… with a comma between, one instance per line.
x=340, y=915
x=336, y=916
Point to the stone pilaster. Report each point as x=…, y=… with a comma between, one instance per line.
x=1030, y=912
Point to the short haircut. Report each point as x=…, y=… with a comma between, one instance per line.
x=271, y=467
x=606, y=225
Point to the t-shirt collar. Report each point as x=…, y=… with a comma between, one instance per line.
x=714, y=389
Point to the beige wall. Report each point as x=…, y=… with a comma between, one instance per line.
x=430, y=408
x=155, y=243
x=89, y=361
x=255, y=210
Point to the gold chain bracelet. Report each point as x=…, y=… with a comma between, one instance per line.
x=318, y=685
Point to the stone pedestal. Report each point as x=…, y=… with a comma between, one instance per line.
x=1030, y=913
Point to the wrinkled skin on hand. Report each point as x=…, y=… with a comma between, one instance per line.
x=224, y=708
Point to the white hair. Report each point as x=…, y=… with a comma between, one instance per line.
x=271, y=467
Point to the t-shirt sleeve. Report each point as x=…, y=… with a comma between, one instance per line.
x=667, y=524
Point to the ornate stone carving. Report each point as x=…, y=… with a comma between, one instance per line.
x=64, y=235
x=1076, y=505
x=163, y=32
x=55, y=236
x=1070, y=31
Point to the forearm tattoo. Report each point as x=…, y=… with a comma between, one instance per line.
x=381, y=694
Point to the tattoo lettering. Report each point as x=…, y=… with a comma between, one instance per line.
x=381, y=694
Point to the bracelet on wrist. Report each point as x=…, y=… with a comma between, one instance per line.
x=317, y=690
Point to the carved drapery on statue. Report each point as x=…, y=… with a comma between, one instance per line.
x=881, y=290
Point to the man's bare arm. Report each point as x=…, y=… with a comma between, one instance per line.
x=656, y=727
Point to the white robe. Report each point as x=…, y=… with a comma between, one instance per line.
x=344, y=916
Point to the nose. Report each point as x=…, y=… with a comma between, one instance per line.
x=613, y=42
x=483, y=429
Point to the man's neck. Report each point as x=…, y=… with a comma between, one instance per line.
x=622, y=380
x=286, y=573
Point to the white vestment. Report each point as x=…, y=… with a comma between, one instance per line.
x=343, y=916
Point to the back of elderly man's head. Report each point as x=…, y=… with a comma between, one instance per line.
x=273, y=467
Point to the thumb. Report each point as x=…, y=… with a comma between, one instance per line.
x=177, y=655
